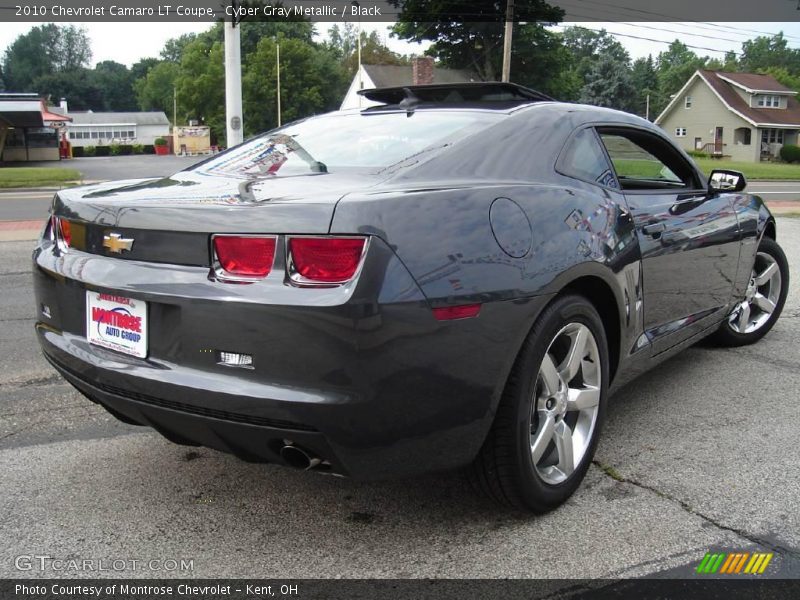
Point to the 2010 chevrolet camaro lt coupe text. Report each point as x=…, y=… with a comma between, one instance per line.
x=455, y=276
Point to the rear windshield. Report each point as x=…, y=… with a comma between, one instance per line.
x=367, y=141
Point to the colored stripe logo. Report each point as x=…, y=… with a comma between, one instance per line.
x=734, y=563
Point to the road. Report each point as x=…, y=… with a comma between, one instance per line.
x=776, y=191
x=701, y=454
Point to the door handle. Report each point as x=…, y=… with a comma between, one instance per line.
x=654, y=229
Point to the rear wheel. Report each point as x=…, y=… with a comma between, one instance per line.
x=753, y=317
x=547, y=424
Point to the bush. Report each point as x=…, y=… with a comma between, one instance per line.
x=115, y=149
x=89, y=151
x=160, y=142
x=790, y=153
x=699, y=154
x=149, y=149
x=102, y=151
x=77, y=152
x=137, y=149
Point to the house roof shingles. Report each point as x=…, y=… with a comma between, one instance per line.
x=760, y=116
x=756, y=82
x=398, y=75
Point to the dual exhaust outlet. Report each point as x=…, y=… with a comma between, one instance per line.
x=298, y=458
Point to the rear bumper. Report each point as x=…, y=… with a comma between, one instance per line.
x=367, y=380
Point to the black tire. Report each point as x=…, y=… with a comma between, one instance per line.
x=504, y=469
x=726, y=335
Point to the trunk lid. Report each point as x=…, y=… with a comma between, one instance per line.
x=171, y=219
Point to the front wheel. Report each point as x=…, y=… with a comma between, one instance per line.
x=753, y=317
x=547, y=424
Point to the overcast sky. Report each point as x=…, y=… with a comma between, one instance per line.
x=122, y=42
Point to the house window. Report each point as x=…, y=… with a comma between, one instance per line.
x=769, y=101
x=772, y=136
x=688, y=102
x=680, y=132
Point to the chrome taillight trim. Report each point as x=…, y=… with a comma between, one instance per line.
x=220, y=274
x=298, y=280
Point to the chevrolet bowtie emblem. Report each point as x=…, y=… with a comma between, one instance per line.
x=116, y=243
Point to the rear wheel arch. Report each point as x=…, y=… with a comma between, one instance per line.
x=600, y=294
x=770, y=230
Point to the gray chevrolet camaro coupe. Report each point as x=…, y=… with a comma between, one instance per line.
x=455, y=276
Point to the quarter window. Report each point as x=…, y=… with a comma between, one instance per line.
x=584, y=159
x=688, y=102
x=644, y=161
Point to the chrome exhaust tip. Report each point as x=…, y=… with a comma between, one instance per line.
x=297, y=458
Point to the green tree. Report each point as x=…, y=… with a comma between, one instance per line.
x=2, y=80
x=155, y=90
x=644, y=79
x=44, y=50
x=77, y=85
x=476, y=42
x=140, y=68
x=675, y=66
x=201, y=85
x=342, y=43
x=730, y=63
x=769, y=51
x=609, y=84
x=583, y=49
x=312, y=81
x=116, y=83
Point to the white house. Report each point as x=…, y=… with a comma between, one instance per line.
x=422, y=70
x=102, y=128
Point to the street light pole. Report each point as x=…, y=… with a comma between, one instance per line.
x=278, y=71
x=233, y=83
x=507, y=40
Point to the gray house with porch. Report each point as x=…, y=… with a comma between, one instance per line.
x=745, y=116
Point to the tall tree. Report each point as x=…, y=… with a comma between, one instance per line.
x=155, y=90
x=468, y=34
x=45, y=50
x=769, y=51
x=675, y=66
x=116, y=83
x=644, y=78
x=343, y=44
x=312, y=81
x=609, y=85
x=77, y=85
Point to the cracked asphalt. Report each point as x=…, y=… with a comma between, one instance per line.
x=701, y=454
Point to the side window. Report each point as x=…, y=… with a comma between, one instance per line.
x=643, y=161
x=584, y=159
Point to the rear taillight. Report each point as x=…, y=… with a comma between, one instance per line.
x=62, y=232
x=325, y=260
x=243, y=257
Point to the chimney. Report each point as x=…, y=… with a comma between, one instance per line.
x=63, y=105
x=422, y=70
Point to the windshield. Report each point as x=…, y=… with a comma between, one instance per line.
x=327, y=143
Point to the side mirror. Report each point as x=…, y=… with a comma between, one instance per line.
x=722, y=180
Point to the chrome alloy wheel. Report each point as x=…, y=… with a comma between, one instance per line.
x=565, y=403
x=761, y=297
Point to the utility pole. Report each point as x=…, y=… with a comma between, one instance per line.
x=507, y=40
x=278, y=71
x=233, y=83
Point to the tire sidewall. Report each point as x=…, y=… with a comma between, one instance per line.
x=771, y=247
x=571, y=309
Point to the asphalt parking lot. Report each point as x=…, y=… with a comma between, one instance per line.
x=700, y=455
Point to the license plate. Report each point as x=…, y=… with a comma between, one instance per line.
x=117, y=323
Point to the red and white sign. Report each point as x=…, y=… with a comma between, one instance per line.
x=117, y=323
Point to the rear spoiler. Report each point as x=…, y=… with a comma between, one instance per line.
x=455, y=93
